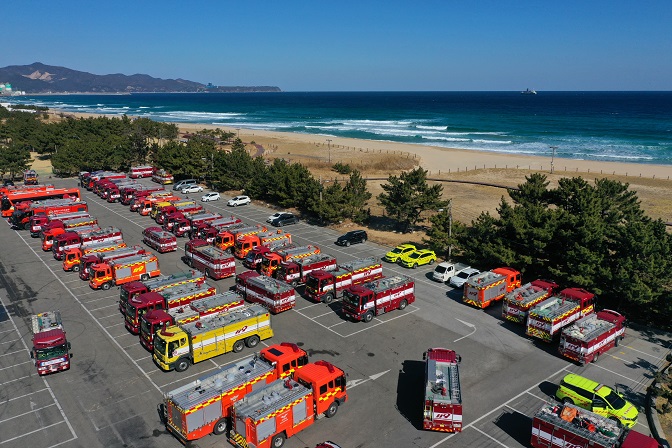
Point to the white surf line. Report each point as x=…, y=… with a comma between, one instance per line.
x=100, y=325
x=46, y=384
x=505, y=404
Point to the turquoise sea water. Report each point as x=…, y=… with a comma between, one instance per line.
x=631, y=127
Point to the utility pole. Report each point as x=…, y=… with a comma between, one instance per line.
x=329, y=146
x=553, y=156
x=450, y=227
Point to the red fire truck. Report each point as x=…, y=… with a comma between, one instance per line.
x=94, y=179
x=73, y=257
x=72, y=239
x=20, y=218
x=55, y=236
x=268, y=416
x=226, y=238
x=363, y=302
x=246, y=243
x=591, y=336
x=203, y=406
x=159, y=239
x=40, y=223
x=546, y=320
x=143, y=204
x=102, y=257
x=135, y=288
x=216, y=263
x=272, y=260
x=487, y=287
x=50, y=347
x=113, y=192
x=518, y=302
x=254, y=257
x=141, y=171
x=49, y=232
x=128, y=194
x=443, y=395
x=296, y=271
x=118, y=272
x=153, y=321
x=178, y=211
x=209, y=231
x=162, y=177
x=325, y=286
x=273, y=294
x=568, y=426
x=189, y=224
x=164, y=300
x=30, y=177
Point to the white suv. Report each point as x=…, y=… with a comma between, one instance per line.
x=207, y=197
x=458, y=281
x=239, y=200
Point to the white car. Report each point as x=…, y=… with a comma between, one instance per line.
x=239, y=200
x=192, y=189
x=274, y=216
x=207, y=197
x=458, y=281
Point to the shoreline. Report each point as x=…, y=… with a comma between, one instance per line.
x=432, y=158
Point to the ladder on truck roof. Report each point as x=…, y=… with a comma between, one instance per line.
x=360, y=263
x=387, y=283
x=270, y=284
x=575, y=420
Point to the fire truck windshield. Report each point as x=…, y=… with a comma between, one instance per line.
x=250, y=257
x=160, y=346
x=51, y=352
x=130, y=310
x=350, y=298
x=312, y=282
x=6, y=204
x=145, y=327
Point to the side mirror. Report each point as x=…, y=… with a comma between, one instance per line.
x=32, y=355
x=69, y=346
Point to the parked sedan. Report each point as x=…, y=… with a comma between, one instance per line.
x=239, y=200
x=418, y=258
x=285, y=219
x=207, y=197
x=458, y=281
x=192, y=189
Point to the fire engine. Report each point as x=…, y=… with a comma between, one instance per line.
x=159, y=239
x=363, y=302
x=128, y=194
x=114, y=192
x=138, y=172
x=246, y=243
x=50, y=347
x=118, y=272
x=274, y=294
x=162, y=177
x=72, y=257
x=24, y=197
x=41, y=222
x=547, y=319
x=56, y=237
x=95, y=180
x=268, y=416
x=49, y=232
x=209, y=231
x=74, y=238
x=216, y=263
x=20, y=218
x=178, y=346
x=85, y=261
x=203, y=406
x=188, y=224
x=443, y=395
x=145, y=204
x=167, y=299
x=254, y=257
x=272, y=260
x=591, y=336
x=325, y=286
x=135, y=288
x=296, y=271
x=30, y=177
x=161, y=210
x=568, y=426
x=178, y=211
x=487, y=287
x=154, y=320
x=226, y=238
x=107, y=187
x=518, y=302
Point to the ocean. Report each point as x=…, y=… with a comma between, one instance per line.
x=633, y=127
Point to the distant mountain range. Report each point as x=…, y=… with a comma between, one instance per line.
x=42, y=78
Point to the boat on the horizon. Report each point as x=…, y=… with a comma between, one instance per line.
x=529, y=92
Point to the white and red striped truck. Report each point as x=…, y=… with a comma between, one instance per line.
x=589, y=337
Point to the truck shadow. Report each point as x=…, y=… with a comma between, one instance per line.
x=410, y=392
x=518, y=426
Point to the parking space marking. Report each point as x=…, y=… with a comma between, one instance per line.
x=53, y=397
x=15, y=379
x=106, y=306
x=536, y=396
x=18, y=364
x=407, y=313
x=9, y=342
x=657, y=358
x=616, y=373
x=11, y=353
x=27, y=413
x=38, y=430
x=489, y=437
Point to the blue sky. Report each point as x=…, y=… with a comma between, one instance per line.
x=354, y=45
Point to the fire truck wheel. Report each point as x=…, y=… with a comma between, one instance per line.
x=238, y=346
x=328, y=298
x=403, y=304
x=182, y=365
x=278, y=440
x=105, y=286
x=252, y=341
x=144, y=277
x=333, y=408
x=617, y=341
x=26, y=226
x=368, y=317
x=208, y=273
x=596, y=357
x=75, y=268
x=220, y=427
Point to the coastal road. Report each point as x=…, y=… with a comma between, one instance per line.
x=109, y=396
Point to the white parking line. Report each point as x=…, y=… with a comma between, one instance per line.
x=106, y=306
x=368, y=327
x=615, y=373
x=38, y=430
x=17, y=364
x=9, y=342
x=657, y=358
x=490, y=437
x=27, y=413
x=15, y=379
x=11, y=353
x=24, y=395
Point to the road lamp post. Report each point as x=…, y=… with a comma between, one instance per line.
x=329, y=146
x=553, y=156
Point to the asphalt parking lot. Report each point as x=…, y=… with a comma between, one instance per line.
x=109, y=396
